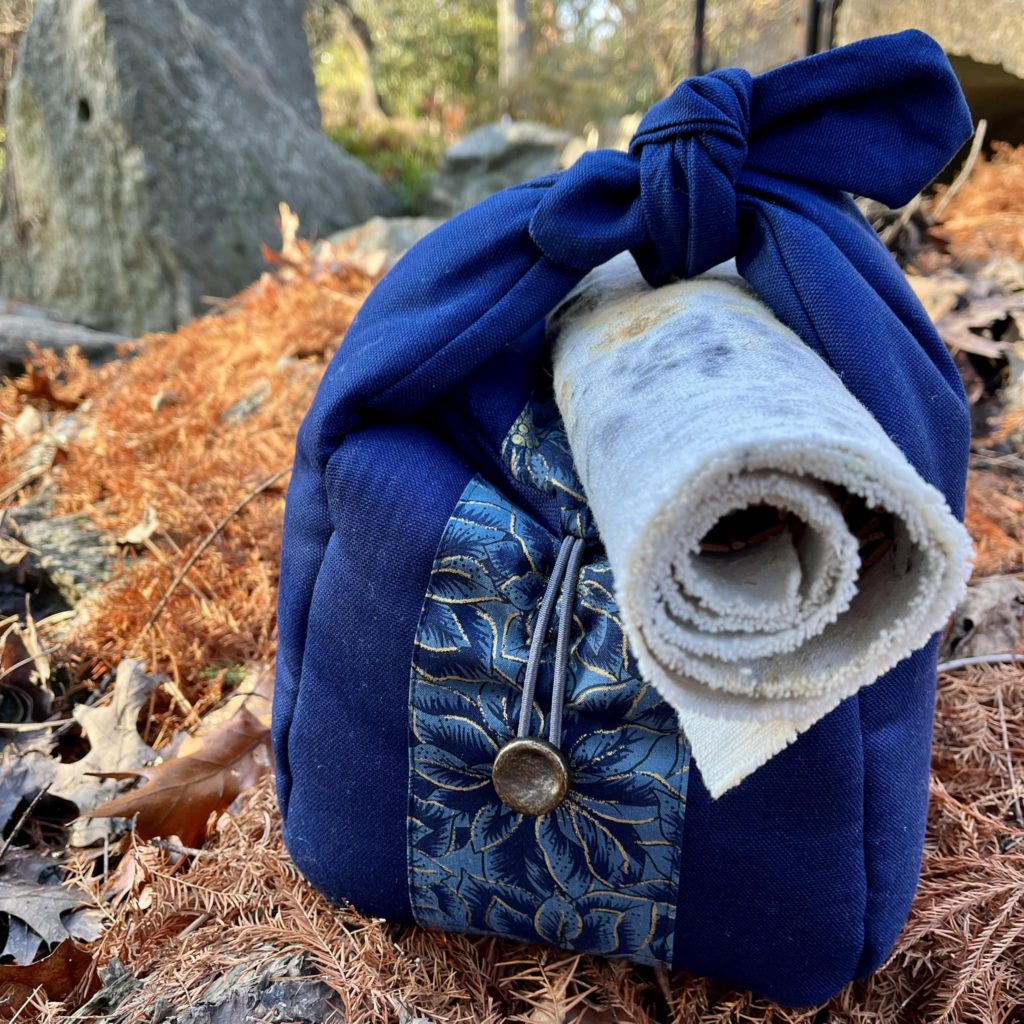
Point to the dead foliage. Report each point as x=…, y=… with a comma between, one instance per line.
x=985, y=218
x=995, y=515
x=58, y=975
x=181, y=794
x=961, y=957
x=161, y=447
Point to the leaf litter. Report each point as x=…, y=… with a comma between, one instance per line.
x=179, y=451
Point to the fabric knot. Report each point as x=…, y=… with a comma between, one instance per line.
x=692, y=146
x=670, y=200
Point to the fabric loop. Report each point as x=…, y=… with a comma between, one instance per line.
x=671, y=199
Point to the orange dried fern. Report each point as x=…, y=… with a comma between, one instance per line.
x=177, y=435
x=985, y=218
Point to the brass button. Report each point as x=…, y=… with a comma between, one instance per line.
x=530, y=775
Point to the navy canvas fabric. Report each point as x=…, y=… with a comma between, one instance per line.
x=800, y=879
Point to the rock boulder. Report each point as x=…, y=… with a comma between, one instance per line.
x=986, y=31
x=492, y=158
x=376, y=246
x=150, y=142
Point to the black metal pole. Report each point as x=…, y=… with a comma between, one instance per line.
x=697, y=57
x=827, y=32
x=811, y=12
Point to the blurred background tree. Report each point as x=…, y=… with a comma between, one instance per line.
x=567, y=61
x=400, y=78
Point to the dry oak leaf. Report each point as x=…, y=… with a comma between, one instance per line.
x=26, y=766
x=132, y=876
x=57, y=975
x=22, y=943
x=39, y=904
x=115, y=748
x=179, y=795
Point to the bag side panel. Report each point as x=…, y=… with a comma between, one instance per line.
x=391, y=490
x=773, y=884
x=307, y=531
x=897, y=731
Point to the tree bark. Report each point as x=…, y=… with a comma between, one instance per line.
x=358, y=36
x=513, y=46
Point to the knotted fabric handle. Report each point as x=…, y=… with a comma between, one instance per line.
x=643, y=200
x=728, y=165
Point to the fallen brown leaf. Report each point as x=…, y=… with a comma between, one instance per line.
x=57, y=975
x=180, y=795
x=131, y=876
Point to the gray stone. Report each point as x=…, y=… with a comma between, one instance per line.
x=285, y=990
x=149, y=143
x=492, y=158
x=68, y=554
x=18, y=329
x=377, y=245
x=987, y=31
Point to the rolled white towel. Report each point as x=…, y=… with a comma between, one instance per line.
x=773, y=550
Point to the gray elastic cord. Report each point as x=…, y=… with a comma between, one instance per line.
x=572, y=576
x=567, y=570
x=540, y=632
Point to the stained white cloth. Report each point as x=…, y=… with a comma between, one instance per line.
x=773, y=550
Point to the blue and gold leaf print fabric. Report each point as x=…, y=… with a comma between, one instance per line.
x=600, y=873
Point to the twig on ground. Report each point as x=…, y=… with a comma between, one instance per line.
x=21, y=821
x=965, y=172
x=890, y=233
x=28, y=999
x=980, y=659
x=206, y=542
x=45, y=653
x=51, y=620
x=22, y=480
x=171, y=688
x=55, y=723
x=195, y=924
x=177, y=849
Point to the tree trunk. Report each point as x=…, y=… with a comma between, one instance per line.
x=513, y=46
x=360, y=41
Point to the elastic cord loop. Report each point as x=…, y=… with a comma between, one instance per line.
x=572, y=575
x=540, y=632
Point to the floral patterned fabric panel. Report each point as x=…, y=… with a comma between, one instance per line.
x=536, y=451
x=600, y=873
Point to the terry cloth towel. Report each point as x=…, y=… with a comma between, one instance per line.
x=773, y=550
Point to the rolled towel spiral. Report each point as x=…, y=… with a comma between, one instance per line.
x=773, y=550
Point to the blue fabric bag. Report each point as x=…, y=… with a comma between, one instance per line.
x=433, y=488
